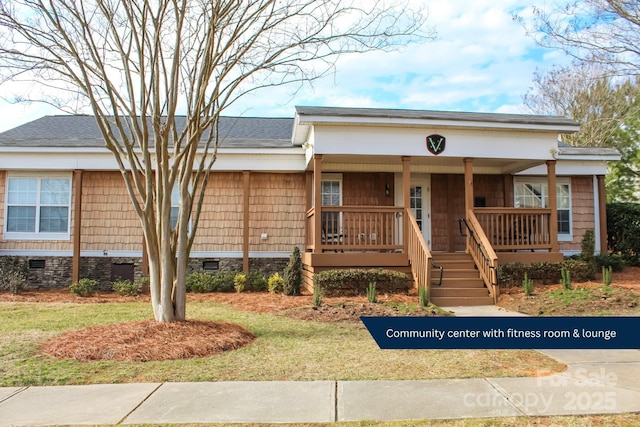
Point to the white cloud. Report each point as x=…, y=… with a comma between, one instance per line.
x=481, y=61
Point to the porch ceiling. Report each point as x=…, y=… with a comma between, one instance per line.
x=421, y=164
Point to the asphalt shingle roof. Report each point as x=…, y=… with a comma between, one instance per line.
x=82, y=131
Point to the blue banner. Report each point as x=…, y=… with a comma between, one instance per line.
x=504, y=332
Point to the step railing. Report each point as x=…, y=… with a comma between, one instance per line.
x=418, y=253
x=482, y=253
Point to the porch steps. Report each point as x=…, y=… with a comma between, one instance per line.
x=461, y=282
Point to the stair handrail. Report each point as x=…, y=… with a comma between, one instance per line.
x=483, y=254
x=418, y=253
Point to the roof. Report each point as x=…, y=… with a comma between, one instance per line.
x=81, y=131
x=453, y=116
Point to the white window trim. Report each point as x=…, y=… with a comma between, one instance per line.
x=13, y=235
x=542, y=180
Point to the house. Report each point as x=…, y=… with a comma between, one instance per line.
x=418, y=191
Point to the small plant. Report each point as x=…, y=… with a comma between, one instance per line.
x=125, y=287
x=84, y=287
x=276, y=283
x=143, y=284
x=566, y=278
x=372, y=294
x=317, y=296
x=423, y=296
x=606, y=276
x=588, y=246
x=527, y=285
x=240, y=282
x=293, y=274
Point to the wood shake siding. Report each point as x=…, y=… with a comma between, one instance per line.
x=582, y=209
x=220, y=226
x=367, y=189
x=109, y=221
x=276, y=207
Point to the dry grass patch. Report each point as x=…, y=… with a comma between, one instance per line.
x=148, y=340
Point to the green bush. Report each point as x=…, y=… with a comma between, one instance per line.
x=527, y=285
x=588, y=246
x=623, y=226
x=202, y=281
x=257, y=282
x=565, y=280
x=293, y=274
x=615, y=261
x=546, y=273
x=240, y=282
x=316, y=300
x=13, y=275
x=84, y=287
x=276, y=283
x=423, y=296
x=356, y=281
x=372, y=294
x=125, y=287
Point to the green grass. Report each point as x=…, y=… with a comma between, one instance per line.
x=285, y=349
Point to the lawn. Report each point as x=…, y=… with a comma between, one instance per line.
x=284, y=349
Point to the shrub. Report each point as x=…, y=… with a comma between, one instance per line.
x=588, y=246
x=293, y=274
x=84, y=287
x=276, y=283
x=545, y=272
x=240, y=282
x=527, y=285
x=125, y=287
x=372, y=294
x=423, y=296
x=202, y=281
x=614, y=261
x=356, y=281
x=143, y=284
x=606, y=276
x=257, y=282
x=566, y=278
x=13, y=275
x=623, y=226
x=317, y=296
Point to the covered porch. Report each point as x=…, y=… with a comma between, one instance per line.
x=393, y=236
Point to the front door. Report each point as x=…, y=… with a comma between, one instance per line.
x=420, y=199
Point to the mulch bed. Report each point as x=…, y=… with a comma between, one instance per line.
x=148, y=340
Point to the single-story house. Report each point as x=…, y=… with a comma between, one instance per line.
x=404, y=189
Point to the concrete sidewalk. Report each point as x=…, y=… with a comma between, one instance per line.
x=596, y=382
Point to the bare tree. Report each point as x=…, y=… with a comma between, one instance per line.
x=606, y=32
x=588, y=94
x=137, y=64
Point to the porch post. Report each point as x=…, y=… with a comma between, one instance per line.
x=602, y=206
x=317, y=202
x=77, y=224
x=468, y=185
x=406, y=199
x=553, y=205
x=245, y=221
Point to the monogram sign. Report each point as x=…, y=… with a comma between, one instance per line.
x=436, y=144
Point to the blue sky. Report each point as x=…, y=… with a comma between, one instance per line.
x=482, y=61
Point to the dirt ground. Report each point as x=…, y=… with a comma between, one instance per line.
x=145, y=340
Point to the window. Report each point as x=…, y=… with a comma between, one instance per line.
x=534, y=193
x=175, y=203
x=38, y=207
x=331, y=195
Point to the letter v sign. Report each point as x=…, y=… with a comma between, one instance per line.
x=436, y=144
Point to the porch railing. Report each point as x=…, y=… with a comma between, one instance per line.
x=356, y=228
x=512, y=229
x=418, y=254
x=483, y=254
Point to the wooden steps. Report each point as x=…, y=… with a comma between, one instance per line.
x=461, y=282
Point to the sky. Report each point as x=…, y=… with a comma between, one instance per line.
x=481, y=61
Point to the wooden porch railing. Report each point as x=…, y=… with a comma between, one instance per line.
x=512, y=229
x=483, y=254
x=356, y=228
x=418, y=253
